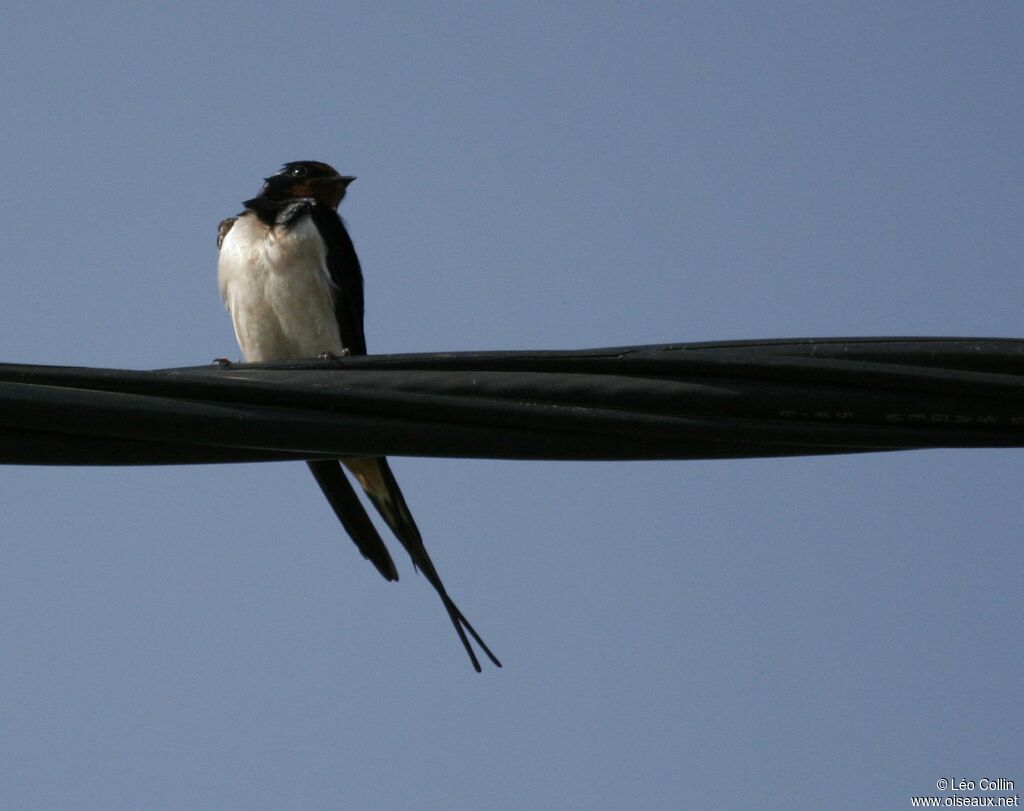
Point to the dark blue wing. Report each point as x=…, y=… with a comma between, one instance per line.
x=347, y=276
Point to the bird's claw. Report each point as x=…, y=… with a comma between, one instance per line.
x=332, y=356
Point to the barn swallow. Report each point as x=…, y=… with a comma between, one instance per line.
x=290, y=278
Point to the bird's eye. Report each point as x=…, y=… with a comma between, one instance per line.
x=299, y=171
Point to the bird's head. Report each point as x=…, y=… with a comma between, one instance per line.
x=307, y=179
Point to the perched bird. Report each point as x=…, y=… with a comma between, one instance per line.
x=290, y=278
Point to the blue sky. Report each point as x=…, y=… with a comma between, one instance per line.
x=789, y=633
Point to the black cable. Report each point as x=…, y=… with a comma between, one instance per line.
x=680, y=401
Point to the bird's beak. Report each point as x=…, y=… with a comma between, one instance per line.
x=331, y=190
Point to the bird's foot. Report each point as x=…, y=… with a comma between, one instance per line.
x=333, y=356
x=222, y=363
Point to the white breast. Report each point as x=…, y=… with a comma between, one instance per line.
x=276, y=286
